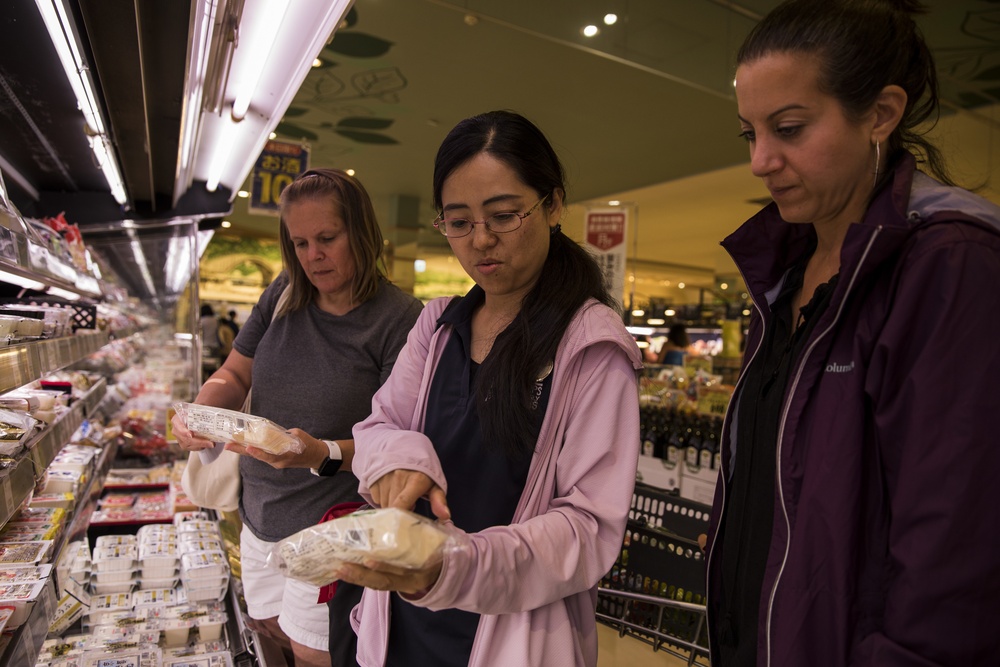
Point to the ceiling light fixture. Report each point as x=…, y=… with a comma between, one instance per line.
x=231, y=142
x=614, y=202
x=272, y=136
x=638, y=312
x=670, y=312
x=260, y=30
x=195, y=84
x=64, y=39
x=724, y=285
x=226, y=224
x=655, y=321
x=242, y=194
x=610, y=19
x=317, y=62
x=350, y=172
x=590, y=31
x=681, y=285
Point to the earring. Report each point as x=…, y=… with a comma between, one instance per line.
x=555, y=230
x=878, y=159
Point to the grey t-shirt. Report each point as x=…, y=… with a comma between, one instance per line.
x=317, y=372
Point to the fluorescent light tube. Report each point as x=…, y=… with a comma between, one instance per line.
x=64, y=293
x=60, y=28
x=258, y=36
x=20, y=281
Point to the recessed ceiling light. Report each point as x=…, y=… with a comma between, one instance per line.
x=610, y=19
x=350, y=172
x=226, y=224
x=317, y=62
x=638, y=312
x=614, y=202
x=746, y=311
x=243, y=194
x=724, y=285
x=681, y=285
x=655, y=321
x=590, y=31
x=670, y=312
x=470, y=19
x=272, y=136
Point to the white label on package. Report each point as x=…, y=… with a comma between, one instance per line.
x=218, y=425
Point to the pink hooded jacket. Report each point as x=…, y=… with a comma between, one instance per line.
x=534, y=581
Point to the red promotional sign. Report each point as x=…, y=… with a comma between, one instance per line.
x=605, y=230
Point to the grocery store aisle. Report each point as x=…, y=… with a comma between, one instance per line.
x=615, y=651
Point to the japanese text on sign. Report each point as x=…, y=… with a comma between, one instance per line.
x=278, y=165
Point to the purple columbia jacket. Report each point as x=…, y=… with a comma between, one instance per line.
x=885, y=548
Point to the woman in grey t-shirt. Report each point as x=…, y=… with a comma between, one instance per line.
x=319, y=343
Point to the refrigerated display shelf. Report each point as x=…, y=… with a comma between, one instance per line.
x=26, y=362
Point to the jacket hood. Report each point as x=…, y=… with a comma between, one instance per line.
x=604, y=325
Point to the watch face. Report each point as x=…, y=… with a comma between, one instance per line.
x=329, y=467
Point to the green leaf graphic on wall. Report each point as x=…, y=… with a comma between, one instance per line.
x=359, y=45
x=365, y=130
x=295, y=131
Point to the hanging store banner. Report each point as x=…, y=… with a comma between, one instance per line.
x=605, y=231
x=278, y=165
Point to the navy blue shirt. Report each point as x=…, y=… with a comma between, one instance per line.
x=484, y=487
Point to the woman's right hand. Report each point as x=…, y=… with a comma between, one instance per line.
x=403, y=488
x=187, y=440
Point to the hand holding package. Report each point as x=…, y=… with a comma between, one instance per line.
x=221, y=425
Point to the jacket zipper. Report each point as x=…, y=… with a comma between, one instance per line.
x=781, y=435
x=722, y=476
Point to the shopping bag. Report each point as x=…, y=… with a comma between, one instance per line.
x=215, y=485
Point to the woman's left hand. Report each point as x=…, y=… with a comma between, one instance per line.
x=381, y=577
x=310, y=457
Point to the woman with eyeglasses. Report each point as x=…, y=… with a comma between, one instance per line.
x=321, y=340
x=512, y=412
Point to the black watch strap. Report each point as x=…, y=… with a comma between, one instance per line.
x=329, y=467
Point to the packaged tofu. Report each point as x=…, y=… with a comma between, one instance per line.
x=391, y=536
x=221, y=425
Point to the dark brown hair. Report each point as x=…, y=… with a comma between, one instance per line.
x=862, y=46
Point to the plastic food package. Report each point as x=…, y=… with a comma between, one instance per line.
x=220, y=425
x=391, y=536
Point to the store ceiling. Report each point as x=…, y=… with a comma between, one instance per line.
x=642, y=112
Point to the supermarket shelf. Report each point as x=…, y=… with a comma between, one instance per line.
x=27, y=362
x=27, y=642
x=18, y=482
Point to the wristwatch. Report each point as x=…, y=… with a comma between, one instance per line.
x=331, y=464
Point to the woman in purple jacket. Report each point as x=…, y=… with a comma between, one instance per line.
x=859, y=453
x=515, y=410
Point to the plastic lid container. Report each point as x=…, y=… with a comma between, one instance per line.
x=115, y=557
x=114, y=587
x=198, y=525
x=115, y=540
x=197, y=591
x=148, y=583
x=114, y=576
x=175, y=631
x=204, y=565
x=189, y=546
x=185, y=517
x=153, y=597
x=210, y=626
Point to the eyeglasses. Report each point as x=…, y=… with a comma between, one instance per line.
x=498, y=223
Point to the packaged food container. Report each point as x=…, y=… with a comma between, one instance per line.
x=115, y=558
x=146, y=583
x=199, y=590
x=196, y=535
x=102, y=605
x=125, y=586
x=138, y=657
x=8, y=325
x=210, y=626
x=153, y=597
x=189, y=546
x=196, y=525
x=156, y=532
x=207, y=565
x=175, y=631
x=21, y=598
x=219, y=659
x=158, y=560
x=115, y=540
x=185, y=517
